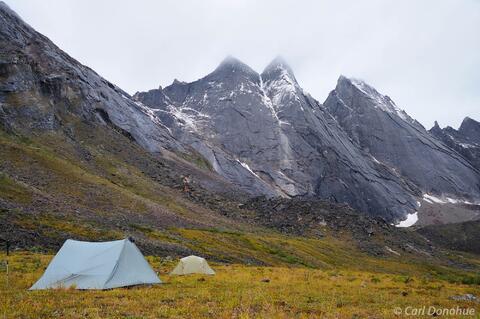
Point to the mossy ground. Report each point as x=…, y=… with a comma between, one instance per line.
x=96, y=187
x=236, y=291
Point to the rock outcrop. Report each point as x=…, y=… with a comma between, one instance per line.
x=41, y=88
x=465, y=140
x=379, y=127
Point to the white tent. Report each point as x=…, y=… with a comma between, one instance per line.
x=192, y=265
x=97, y=265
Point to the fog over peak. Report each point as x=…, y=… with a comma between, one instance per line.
x=424, y=55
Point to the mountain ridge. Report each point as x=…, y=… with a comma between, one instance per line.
x=465, y=140
x=288, y=114
x=391, y=136
x=35, y=68
x=294, y=114
x=260, y=133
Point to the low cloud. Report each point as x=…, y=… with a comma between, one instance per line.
x=423, y=54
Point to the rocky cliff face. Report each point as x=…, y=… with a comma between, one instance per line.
x=41, y=88
x=465, y=140
x=379, y=127
x=265, y=134
x=470, y=130
x=260, y=132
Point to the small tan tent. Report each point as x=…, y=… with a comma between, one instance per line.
x=192, y=265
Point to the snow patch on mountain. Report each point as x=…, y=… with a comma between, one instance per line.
x=433, y=199
x=465, y=145
x=266, y=100
x=247, y=167
x=444, y=200
x=217, y=85
x=188, y=117
x=148, y=111
x=376, y=160
x=409, y=221
x=185, y=116
x=281, y=86
x=245, y=90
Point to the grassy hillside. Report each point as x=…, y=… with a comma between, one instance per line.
x=94, y=183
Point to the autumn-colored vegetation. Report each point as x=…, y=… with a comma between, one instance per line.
x=236, y=291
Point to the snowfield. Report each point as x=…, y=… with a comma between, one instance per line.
x=410, y=221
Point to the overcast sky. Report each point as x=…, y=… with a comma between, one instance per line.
x=424, y=54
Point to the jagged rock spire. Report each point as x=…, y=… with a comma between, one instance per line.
x=276, y=68
x=232, y=64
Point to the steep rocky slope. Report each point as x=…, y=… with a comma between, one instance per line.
x=265, y=134
x=465, y=140
x=375, y=123
x=41, y=87
x=459, y=236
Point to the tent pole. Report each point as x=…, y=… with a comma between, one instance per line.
x=6, y=264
